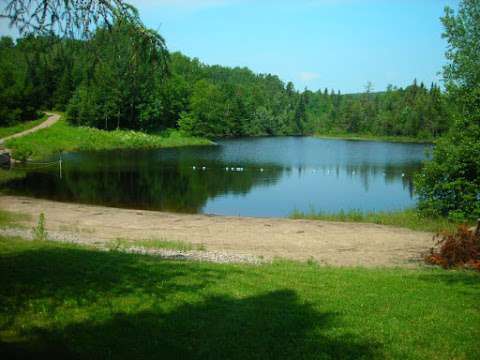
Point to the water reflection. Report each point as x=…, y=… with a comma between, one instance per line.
x=256, y=177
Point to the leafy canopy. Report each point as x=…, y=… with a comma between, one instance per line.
x=450, y=183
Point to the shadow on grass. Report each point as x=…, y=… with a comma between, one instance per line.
x=469, y=278
x=87, y=276
x=272, y=325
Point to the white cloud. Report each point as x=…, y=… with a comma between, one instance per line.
x=307, y=76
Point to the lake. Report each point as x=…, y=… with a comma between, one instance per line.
x=247, y=177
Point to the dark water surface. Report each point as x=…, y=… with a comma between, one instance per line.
x=265, y=177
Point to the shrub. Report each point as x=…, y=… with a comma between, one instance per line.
x=39, y=231
x=459, y=249
x=449, y=185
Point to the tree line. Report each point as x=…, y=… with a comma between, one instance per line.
x=120, y=79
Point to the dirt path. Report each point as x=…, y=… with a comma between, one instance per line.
x=52, y=119
x=332, y=243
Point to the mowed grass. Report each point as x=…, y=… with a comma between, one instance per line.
x=410, y=219
x=11, y=130
x=65, y=137
x=66, y=301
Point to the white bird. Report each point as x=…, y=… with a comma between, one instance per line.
x=194, y=168
x=233, y=169
x=204, y=168
x=227, y=169
x=403, y=175
x=261, y=169
x=239, y=169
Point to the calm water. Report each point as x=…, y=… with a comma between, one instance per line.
x=275, y=176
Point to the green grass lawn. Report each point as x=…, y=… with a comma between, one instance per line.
x=66, y=301
x=10, y=130
x=65, y=137
x=410, y=219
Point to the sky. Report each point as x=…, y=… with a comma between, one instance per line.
x=339, y=44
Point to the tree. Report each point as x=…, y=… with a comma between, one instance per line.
x=207, y=110
x=69, y=17
x=260, y=123
x=50, y=81
x=300, y=116
x=126, y=73
x=450, y=184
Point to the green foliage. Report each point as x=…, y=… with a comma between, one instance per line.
x=117, y=79
x=235, y=102
x=17, y=84
x=414, y=112
x=410, y=219
x=450, y=183
x=228, y=102
x=39, y=232
x=65, y=137
x=75, y=302
x=122, y=77
x=70, y=18
x=158, y=244
x=19, y=127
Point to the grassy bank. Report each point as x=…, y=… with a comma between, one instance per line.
x=8, y=175
x=69, y=301
x=369, y=137
x=65, y=137
x=11, y=130
x=410, y=219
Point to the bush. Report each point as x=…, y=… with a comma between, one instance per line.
x=459, y=249
x=449, y=185
x=39, y=232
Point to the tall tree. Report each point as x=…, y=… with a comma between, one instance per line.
x=450, y=183
x=126, y=75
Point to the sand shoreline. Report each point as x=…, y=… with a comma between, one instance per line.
x=329, y=243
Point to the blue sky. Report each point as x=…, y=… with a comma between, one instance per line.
x=340, y=44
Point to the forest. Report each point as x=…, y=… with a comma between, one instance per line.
x=116, y=80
